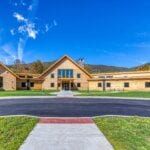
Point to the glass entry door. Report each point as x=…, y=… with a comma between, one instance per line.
x=65, y=86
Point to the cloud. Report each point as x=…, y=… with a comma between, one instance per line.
x=23, y=3
x=21, y=45
x=32, y=32
x=55, y=23
x=7, y=48
x=29, y=30
x=27, y=26
x=19, y=17
x=7, y=54
x=18, y=3
x=47, y=28
x=141, y=61
x=30, y=7
x=15, y=4
x=141, y=45
x=12, y=31
x=144, y=34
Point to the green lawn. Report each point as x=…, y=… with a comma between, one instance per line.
x=126, y=133
x=116, y=94
x=14, y=130
x=28, y=93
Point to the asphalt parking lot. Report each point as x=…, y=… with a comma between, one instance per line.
x=74, y=107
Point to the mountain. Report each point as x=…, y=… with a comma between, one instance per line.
x=104, y=68
x=144, y=67
x=89, y=67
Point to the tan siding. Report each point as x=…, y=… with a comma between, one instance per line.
x=37, y=84
x=9, y=80
x=66, y=64
x=134, y=85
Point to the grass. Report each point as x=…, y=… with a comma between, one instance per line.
x=126, y=133
x=139, y=94
x=14, y=130
x=28, y=93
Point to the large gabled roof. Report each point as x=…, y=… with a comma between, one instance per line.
x=61, y=59
x=1, y=64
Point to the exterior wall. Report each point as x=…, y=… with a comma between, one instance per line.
x=124, y=74
x=93, y=85
x=135, y=79
x=134, y=85
x=66, y=64
x=37, y=84
x=9, y=80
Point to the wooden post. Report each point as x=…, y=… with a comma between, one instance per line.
x=69, y=85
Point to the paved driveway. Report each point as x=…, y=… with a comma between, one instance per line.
x=74, y=107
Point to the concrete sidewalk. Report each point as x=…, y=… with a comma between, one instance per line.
x=74, y=96
x=66, y=134
x=66, y=93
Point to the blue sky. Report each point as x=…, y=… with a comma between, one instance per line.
x=110, y=32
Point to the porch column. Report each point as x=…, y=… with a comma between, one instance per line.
x=69, y=84
x=60, y=84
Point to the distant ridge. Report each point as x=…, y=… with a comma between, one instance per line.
x=104, y=68
x=93, y=68
x=144, y=67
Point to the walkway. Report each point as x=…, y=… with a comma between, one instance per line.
x=66, y=134
x=65, y=93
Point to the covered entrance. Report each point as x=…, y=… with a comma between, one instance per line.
x=65, y=84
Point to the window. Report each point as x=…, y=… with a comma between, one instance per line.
x=23, y=84
x=126, y=84
x=147, y=84
x=108, y=84
x=29, y=76
x=65, y=73
x=52, y=75
x=58, y=84
x=52, y=84
x=32, y=84
x=109, y=76
x=99, y=84
x=78, y=75
x=72, y=85
x=78, y=85
x=101, y=76
x=1, y=82
x=21, y=76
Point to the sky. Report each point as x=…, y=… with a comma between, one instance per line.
x=109, y=32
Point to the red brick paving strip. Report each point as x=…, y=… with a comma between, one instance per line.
x=66, y=120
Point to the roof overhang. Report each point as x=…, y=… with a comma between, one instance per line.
x=5, y=67
x=118, y=79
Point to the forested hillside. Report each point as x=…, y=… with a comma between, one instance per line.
x=39, y=66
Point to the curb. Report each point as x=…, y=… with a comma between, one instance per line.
x=73, y=97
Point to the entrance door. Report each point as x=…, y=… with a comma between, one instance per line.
x=65, y=86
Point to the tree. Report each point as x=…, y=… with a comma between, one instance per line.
x=37, y=67
x=18, y=66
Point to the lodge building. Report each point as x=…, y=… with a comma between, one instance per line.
x=67, y=74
